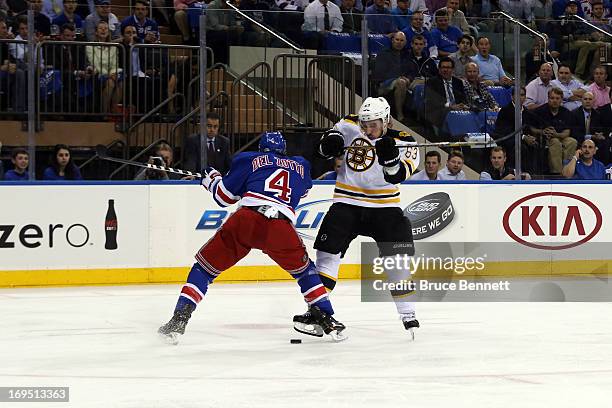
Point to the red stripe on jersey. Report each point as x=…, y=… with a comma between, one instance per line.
x=320, y=291
x=224, y=196
x=192, y=293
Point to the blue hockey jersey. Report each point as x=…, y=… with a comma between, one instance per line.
x=257, y=178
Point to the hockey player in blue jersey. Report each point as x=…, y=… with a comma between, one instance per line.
x=269, y=186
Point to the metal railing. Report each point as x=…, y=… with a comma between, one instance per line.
x=603, y=52
x=130, y=170
x=153, y=125
x=518, y=22
x=13, y=78
x=79, y=79
x=99, y=80
x=588, y=23
x=250, y=110
x=276, y=35
x=313, y=90
x=164, y=70
x=215, y=77
x=94, y=159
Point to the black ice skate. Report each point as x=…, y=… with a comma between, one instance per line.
x=410, y=323
x=315, y=322
x=170, y=331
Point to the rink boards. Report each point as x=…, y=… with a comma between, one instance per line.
x=54, y=234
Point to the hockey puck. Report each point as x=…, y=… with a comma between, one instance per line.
x=430, y=214
x=296, y=341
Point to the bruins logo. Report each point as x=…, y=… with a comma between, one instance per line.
x=360, y=159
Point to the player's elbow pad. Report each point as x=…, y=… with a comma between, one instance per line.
x=395, y=174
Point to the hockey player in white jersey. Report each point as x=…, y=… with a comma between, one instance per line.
x=366, y=199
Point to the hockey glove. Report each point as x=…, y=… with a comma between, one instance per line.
x=209, y=175
x=388, y=155
x=332, y=144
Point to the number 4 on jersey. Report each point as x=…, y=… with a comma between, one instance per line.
x=278, y=184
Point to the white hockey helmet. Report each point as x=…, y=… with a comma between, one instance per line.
x=375, y=108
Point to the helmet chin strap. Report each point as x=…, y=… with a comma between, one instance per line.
x=385, y=127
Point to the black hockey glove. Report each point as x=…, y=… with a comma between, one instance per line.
x=387, y=151
x=332, y=144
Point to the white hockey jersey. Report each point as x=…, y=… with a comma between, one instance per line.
x=361, y=179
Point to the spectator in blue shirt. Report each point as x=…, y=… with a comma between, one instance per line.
x=380, y=20
x=139, y=19
x=582, y=166
x=20, y=159
x=52, y=8
x=402, y=14
x=598, y=18
x=62, y=167
x=69, y=16
x=490, y=66
x=416, y=27
x=444, y=37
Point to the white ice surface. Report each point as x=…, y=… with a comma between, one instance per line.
x=101, y=342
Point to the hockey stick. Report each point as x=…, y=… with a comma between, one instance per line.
x=439, y=144
x=101, y=153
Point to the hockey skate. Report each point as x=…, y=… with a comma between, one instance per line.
x=410, y=323
x=315, y=322
x=170, y=331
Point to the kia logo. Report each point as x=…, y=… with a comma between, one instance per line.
x=566, y=218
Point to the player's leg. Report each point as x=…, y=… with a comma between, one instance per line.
x=335, y=234
x=225, y=248
x=393, y=233
x=338, y=229
x=328, y=266
x=285, y=247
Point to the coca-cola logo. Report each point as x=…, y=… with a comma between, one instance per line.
x=552, y=220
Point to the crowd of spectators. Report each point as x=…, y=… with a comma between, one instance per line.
x=566, y=99
x=73, y=76
x=62, y=167
x=439, y=49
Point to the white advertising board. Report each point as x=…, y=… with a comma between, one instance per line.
x=549, y=217
x=57, y=227
x=161, y=226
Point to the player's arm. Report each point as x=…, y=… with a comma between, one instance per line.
x=307, y=177
x=410, y=155
x=394, y=169
x=212, y=181
x=227, y=190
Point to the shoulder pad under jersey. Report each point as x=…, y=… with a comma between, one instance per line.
x=352, y=118
x=400, y=134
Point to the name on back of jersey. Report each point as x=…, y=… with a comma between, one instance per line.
x=264, y=160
